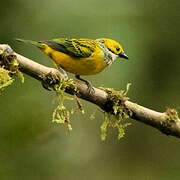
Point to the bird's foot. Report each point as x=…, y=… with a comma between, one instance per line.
x=90, y=88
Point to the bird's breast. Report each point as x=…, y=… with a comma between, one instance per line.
x=80, y=66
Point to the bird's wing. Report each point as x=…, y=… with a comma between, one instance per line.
x=80, y=48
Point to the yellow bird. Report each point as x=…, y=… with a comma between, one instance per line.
x=81, y=56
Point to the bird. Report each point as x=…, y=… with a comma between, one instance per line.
x=81, y=56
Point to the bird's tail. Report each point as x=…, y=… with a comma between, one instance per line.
x=35, y=43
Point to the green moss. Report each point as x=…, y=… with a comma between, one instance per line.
x=5, y=79
x=9, y=68
x=61, y=114
x=116, y=113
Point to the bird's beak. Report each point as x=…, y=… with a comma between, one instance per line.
x=123, y=55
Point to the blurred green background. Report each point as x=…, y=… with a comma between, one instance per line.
x=34, y=148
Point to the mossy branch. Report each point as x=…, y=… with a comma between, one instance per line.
x=167, y=122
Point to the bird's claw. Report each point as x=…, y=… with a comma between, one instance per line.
x=90, y=88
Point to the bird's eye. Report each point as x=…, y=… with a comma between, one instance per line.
x=117, y=49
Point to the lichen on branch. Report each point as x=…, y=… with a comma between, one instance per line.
x=9, y=68
x=61, y=114
x=116, y=113
x=5, y=79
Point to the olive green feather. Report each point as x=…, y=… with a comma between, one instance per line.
x=80, y=48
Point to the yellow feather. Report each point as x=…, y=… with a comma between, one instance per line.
x=81, y=66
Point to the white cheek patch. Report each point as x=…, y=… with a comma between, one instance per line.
x=114, y=56
x=109, y=57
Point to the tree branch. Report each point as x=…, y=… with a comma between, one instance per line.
x=167, y=122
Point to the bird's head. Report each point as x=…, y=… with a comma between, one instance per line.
x=114, y=47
